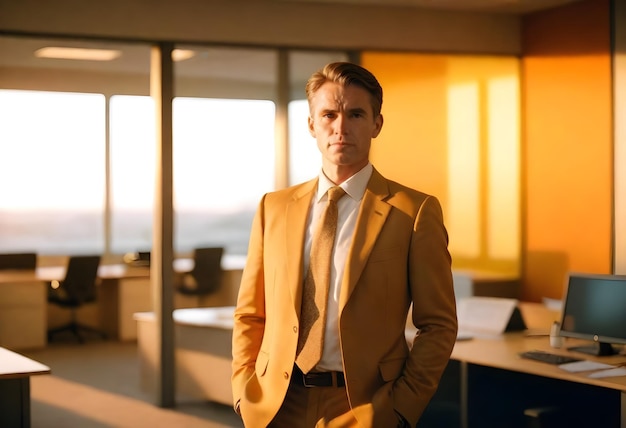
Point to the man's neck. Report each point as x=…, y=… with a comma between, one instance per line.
x=340, y=173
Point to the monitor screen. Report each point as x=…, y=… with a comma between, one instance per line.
x=595, y=309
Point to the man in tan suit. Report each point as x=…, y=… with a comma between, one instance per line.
x=390, y=254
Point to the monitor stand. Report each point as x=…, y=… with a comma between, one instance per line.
x=599, y=349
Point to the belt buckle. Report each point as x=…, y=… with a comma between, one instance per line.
x=316, y=379
x=324, y=376
x=339, y=379
x=304, y=382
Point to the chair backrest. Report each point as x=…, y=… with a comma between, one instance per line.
x=139, y=258
x=144, y=257
x=80, y=278
x=207, y=270
x=21, y=261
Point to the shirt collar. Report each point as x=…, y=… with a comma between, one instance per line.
x=354, y=186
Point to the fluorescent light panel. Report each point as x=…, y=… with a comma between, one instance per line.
x=182, y=54
x=86, y=54
x=89, y=54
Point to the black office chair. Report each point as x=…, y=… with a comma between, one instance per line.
x=75, y=290
x=206, y=275
x=18, y=261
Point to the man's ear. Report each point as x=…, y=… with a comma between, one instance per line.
x=378, y=126
x=311, y=126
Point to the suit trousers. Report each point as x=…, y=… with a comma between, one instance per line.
x=316, y=407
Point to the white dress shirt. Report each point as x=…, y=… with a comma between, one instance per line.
x=348, y=208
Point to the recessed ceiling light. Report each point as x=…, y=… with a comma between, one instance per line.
x=182, y=54
x=78, y=53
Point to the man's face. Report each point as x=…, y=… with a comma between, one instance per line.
x=343, y=123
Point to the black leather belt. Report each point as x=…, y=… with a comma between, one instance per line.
x=318, y=379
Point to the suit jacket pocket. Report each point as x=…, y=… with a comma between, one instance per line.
x=391, y=369
x=261, y=363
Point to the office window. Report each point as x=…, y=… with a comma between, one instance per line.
x=74, y=187
x=52, y=170
x=223, y=164
x=221, y=170
x=224, y=149
x=304, y=157
x=133, y=161
x=305, y=160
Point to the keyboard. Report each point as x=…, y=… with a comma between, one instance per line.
x=546, y=357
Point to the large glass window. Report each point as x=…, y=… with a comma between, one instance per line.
x=223, y=163
x=224, y=146
x=221, y=169
x=304, y=158
x=133, y=161
x=78, y=151
x=52, y=170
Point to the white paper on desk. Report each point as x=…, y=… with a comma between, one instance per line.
x=618, y=371
x=488, y=315
x=584, y=366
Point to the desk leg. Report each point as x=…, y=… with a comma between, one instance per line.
x=108, y=303
x=622, y=423
x=25, y=391
x=464, y=395
x=15, y=402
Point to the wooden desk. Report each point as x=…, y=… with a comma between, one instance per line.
x=492, y=367
x=120, y=299
x=203, y=353
x=124, y=290
x=24, y=303
x=23, y=313
x=15, y=373
x=495, y=385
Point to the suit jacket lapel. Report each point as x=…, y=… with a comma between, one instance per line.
x=295, y=224
x=372, y=216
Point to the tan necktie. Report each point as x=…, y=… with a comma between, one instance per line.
x=316, y=284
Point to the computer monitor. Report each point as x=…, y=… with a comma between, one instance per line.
x=595, y=310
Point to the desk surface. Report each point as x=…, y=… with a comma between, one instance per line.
x=109, y=271
x=211, y=317
x=13, y=365
x=503, y=351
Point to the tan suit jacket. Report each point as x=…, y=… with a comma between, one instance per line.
x=398, y=256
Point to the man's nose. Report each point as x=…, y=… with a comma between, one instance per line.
x=340, y=124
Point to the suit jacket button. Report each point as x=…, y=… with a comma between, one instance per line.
x=295, y=329
x=286, y=375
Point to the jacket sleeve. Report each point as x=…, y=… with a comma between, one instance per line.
x=249, y=317
x=433, y=312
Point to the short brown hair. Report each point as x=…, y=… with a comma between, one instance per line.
x=346, y=73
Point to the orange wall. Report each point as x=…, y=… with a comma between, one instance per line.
x=412, y=147
x=567, y=146
x=452, y=130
